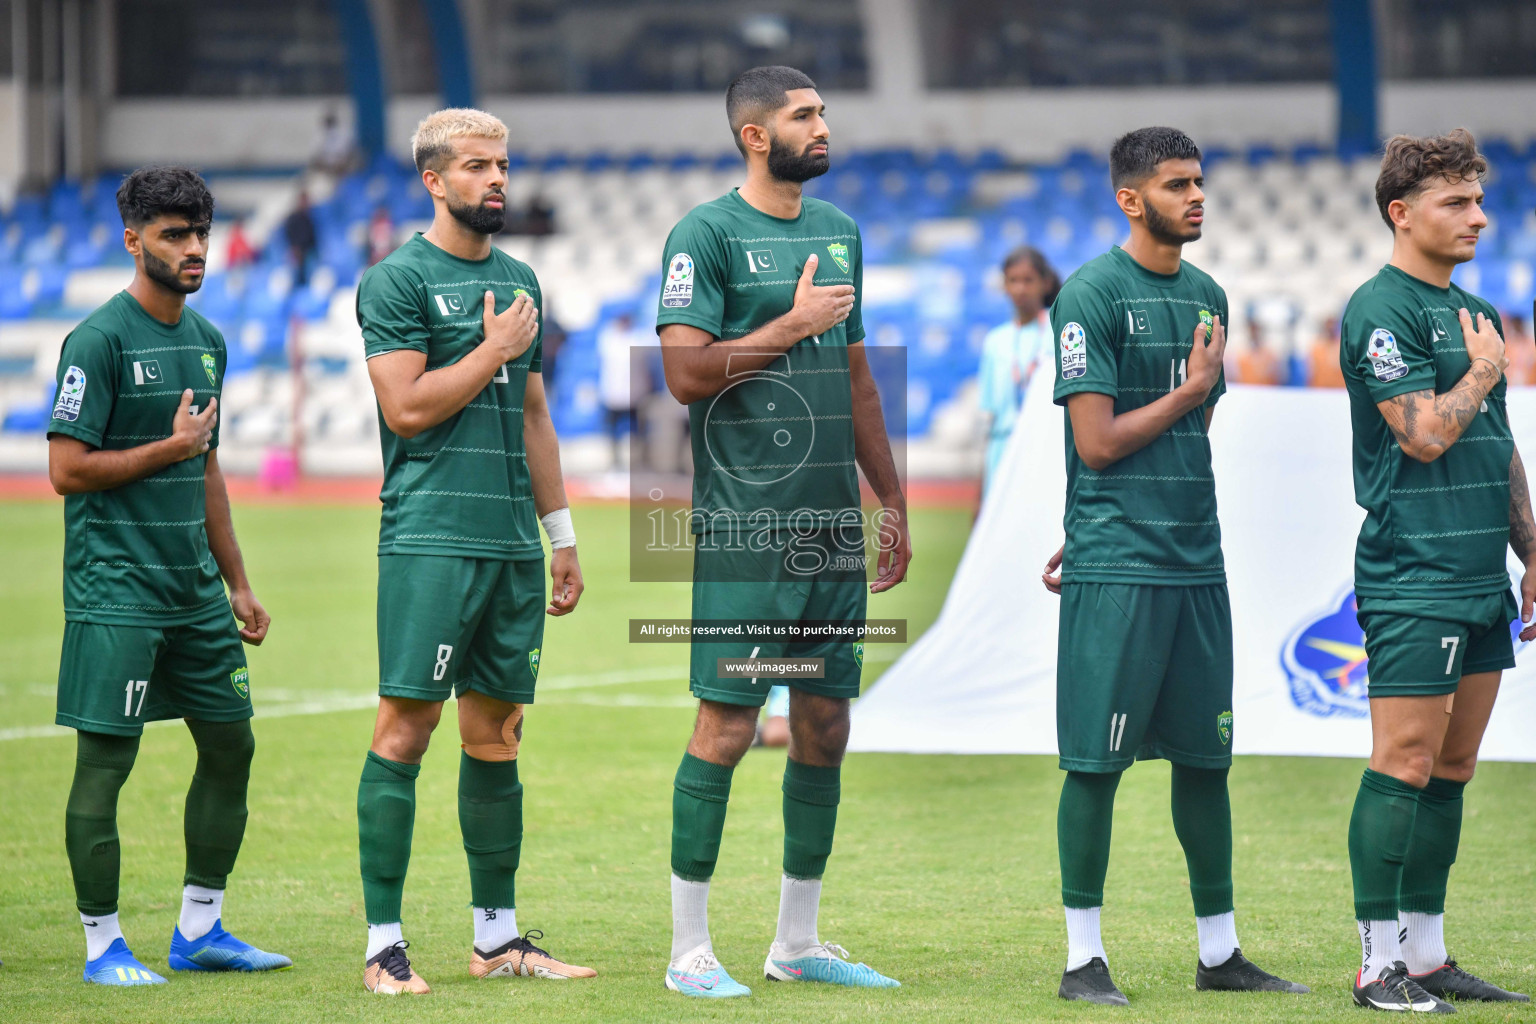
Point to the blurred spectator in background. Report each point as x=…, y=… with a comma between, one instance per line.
x=550, y=344
x=1520, y=349
x=537, y=218
x=773, y=729
x=1013, y=351
x=335, y=153
x=302, y=239
x=1324, y=370
x=1258, y=364
x=615, y=386
x=381, y=236
x=240, y=252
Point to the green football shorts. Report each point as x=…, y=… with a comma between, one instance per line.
x=815, y=580
x=1143, y=672
x=1418, y=647
x=113, y=679
x=448, y=625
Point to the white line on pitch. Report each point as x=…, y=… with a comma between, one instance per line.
x=357, y=702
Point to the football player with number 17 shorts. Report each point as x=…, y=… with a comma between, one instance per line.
x=149, y=633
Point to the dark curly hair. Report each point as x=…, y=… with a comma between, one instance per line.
x=151, y=192
x=1410, y=164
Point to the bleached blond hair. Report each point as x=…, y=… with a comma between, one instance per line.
x=433, y=141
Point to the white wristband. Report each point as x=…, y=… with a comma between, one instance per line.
x=558, y=528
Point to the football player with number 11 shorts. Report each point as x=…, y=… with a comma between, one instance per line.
x=1144, y=663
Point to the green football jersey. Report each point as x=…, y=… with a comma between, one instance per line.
x=776, y=447
x=1435, y=529
x=138, y=554
x=460, y=488
x=1149, y=518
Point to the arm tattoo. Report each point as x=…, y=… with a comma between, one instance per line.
x=1459, y=405
x=1408, y=405
x=1522, y=527
x=1449, y=414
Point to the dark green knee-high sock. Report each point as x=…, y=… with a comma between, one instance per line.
x=1380, y=830
x=216, y=811
x=699, y=796
x=1432, y=851
x=1083, y=823
x=491, y=818
x=811, y=795
x=1202, y=819
x=102, y=764
x=386, y=816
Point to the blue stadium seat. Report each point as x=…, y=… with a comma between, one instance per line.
x=26, y=419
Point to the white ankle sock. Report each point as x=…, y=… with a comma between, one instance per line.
x=799, y=900
x=381, y=937
x=1378, y=947
x=1083, y=940
x=1423, y=941
x=690, y=916
x=200, y=909
x=1218, y=938
x=494, y=927
x=100, y=932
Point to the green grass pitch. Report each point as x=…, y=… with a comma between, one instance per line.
x=944, y=874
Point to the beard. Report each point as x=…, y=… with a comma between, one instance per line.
x=162, y=273
x=797, y=167
x=480, y=218
x=1165, y=230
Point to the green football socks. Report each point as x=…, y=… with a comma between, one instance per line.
x=386, y=816
x=216, y=811
x=699, y=795
x=811, y=794
x=102, y=764
x=1380, y=830
x=1083, y=822
x=1202, y=819
x=491, y=818
x=1432, y=851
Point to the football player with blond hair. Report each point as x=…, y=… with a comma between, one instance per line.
x=471, y=469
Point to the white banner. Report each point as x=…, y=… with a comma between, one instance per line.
x=982, y=680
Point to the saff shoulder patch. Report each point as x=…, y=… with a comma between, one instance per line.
x=1074, y=351
x=71, y=394
x=1386, y=361
x=678, y=290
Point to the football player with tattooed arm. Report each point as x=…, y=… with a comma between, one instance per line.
x=1444, y=490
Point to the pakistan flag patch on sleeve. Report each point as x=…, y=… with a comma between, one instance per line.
x=839, y=254
x=240, y=679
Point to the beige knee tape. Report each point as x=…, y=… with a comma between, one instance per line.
x=506, y=750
